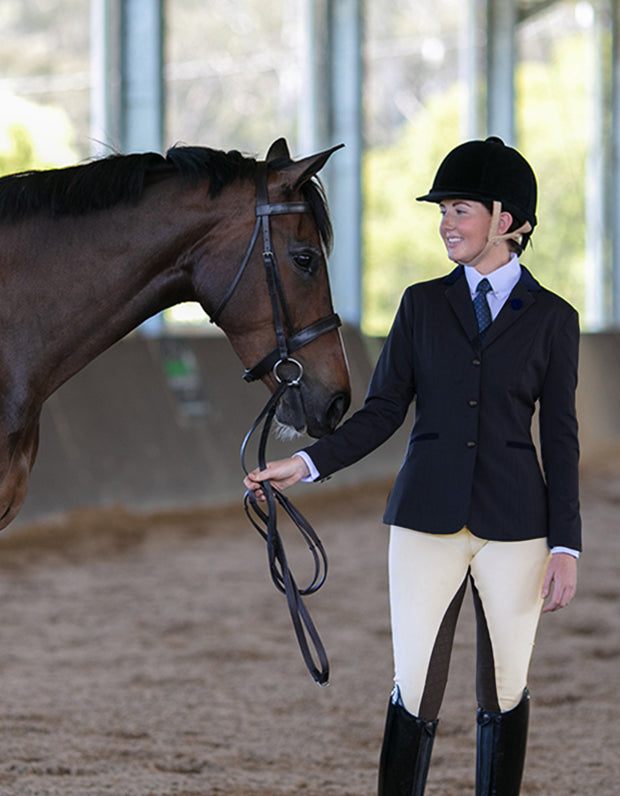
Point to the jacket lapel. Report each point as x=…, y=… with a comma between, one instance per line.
x=520, y=300
x=457, y=293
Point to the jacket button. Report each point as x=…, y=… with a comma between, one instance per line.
x=471, y=443
x=475, y=361
x=473, y=403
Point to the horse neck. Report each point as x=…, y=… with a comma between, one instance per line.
x=92, y=279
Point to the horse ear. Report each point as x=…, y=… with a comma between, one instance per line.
x=300, y=171
x=278, y=150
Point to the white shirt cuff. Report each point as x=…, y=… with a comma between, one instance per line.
x=569, y=550
x=314, y=473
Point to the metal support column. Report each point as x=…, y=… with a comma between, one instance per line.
x=105, y=68
x=615, y=165
x=501, y=58
x=343, y=172
x=471, y=72
x=311, y=119
x=596, y=193
x=127, y=108
x=142, y=88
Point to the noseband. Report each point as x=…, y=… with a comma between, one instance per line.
x=278, y=362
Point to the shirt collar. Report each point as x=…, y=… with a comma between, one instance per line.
x=502, y=280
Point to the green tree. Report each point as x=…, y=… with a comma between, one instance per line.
x=401, y=243
x=552, y=103
x=19, y=154
x=33, y=137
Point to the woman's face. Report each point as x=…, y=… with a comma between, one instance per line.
x=464, y=228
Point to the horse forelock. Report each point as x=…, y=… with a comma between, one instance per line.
x=103, y=183
x=314, y=193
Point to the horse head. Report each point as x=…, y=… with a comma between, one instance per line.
x=276, y=310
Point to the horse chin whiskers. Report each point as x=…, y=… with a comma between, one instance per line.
x=286, y=433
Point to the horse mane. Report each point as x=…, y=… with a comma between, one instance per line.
x=103, y=183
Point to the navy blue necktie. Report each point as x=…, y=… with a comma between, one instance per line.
x=481, y=306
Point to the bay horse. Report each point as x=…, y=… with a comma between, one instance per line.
x=89, y=252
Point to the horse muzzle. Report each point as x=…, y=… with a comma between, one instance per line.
x=312, y=409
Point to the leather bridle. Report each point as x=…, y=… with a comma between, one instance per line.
x=288, y=341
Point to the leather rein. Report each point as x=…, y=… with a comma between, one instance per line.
x=288, y=341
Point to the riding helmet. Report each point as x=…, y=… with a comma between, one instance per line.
x=487, y=171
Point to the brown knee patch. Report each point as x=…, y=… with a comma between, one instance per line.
x=486, y=685
x=439, y=664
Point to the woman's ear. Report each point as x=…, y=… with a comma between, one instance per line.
x=505, y=222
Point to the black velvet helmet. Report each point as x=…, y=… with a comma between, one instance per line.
x=487, y=171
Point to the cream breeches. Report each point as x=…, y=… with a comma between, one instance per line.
x=428, y=575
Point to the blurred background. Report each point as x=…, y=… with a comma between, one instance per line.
x=405, y=79
x=400, y=82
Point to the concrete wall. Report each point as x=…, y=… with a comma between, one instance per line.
x=159, y=424
x=598, y=396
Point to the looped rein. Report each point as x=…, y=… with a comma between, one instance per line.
x=265, y=522
x=279, y=363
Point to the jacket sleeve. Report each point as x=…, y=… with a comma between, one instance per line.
x=391, y=391
x=558, y=437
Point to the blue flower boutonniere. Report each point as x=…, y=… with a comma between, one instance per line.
x=516, y=304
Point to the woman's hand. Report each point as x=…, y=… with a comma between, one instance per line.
x=560, y=581
x=281, y=475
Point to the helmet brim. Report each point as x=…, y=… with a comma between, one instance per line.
x=441, y=196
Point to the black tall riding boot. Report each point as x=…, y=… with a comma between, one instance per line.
x=502, y=738
x=406, y=751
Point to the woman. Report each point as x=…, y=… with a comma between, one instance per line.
x=477, y=350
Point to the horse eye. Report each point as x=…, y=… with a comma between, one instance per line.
x=303, y=260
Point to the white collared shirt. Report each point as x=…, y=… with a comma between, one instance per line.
x=502, y=281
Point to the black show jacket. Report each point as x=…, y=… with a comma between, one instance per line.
x=470, y=460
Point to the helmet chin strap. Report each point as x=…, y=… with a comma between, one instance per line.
x=494, y=239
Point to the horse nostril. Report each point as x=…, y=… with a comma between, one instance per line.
x=336, y=409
